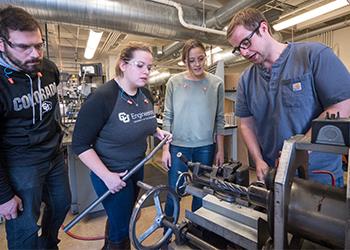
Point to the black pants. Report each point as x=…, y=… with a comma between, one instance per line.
x=47, y=182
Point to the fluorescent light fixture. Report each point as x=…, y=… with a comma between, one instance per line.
x=311, y=14
x=92, y=43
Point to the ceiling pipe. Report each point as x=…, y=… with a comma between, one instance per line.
x=306, y=35
x=138, y=17
x=162, y=77
x=170, y=50
x=219, y=18
x=187, y=25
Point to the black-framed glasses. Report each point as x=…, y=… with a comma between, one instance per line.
x=141, y=65
x=25, y=48
x=246, y=42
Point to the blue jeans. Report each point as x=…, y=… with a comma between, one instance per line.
x=47, y=182
x=119, y=206
x=204, y=155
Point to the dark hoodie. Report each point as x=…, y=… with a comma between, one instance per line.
x=29, y=134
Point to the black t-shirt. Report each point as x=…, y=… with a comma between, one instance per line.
x=115, y=125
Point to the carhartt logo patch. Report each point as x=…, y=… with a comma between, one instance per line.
x=297, y=86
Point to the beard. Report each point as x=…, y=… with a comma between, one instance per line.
x=26, y=66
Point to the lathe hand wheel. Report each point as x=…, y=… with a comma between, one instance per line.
x=182, y=181
x=139, y=231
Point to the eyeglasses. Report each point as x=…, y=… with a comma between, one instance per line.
x=199, y=60
x=246, y=42
x=25, y=48
x=141, y=65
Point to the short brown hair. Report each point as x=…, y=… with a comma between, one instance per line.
x=249, y=18
x=13, y=18
x=127, y=54
x=190, y=44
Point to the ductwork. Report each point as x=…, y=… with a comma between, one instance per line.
x=171, y=50
x=140, y=17
x=159, y=78
x=189, y=25
x=320, y=31
x=219, y=18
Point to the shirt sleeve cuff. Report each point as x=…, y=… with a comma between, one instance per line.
x=6, y=195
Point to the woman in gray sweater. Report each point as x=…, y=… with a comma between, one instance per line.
x=194, y=114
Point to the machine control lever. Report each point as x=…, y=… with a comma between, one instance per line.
x=190, y=164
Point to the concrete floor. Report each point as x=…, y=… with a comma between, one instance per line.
x=94, y=226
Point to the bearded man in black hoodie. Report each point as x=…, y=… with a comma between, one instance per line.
x=32, y=168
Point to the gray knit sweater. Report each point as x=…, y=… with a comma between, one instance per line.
x=194, y=110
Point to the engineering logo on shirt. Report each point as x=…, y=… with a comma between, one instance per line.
x=124, y=117
x=46, y=106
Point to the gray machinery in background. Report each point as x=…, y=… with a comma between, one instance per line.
x=83, y=193
x=72, y=94
x=282, y=214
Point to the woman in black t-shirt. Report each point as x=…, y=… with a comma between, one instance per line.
x=114, y=140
